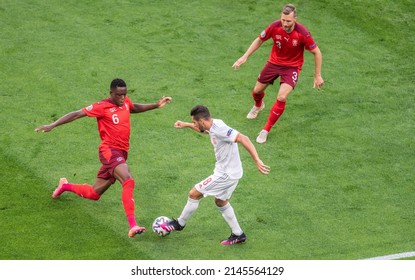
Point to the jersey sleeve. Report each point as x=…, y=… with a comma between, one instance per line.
x=94, y=110
x=267, y=33
x=310, y=43
x=129, y=103
x=229, y=134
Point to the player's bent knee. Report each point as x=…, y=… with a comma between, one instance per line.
x=195, y=194
x=220, y=202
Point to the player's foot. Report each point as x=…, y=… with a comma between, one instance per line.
x=59, y=190
x=172, y=226
x=262, y=137
x=255, y=110
x=233, y=239
x=136, y=230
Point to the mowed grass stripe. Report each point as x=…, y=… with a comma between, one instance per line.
x=341, y=181
x=35, y=226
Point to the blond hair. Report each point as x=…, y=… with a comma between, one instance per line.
x=288, y=9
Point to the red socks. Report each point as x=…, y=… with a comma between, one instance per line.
x=87, y=191
x=83, y=190
x=128, y=200
x=276, y=112
x=258, y=98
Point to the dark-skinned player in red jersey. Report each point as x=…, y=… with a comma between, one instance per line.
x=113, y=117
x=286, y=59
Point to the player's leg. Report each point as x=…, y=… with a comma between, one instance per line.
x=258, y=94
x=103, y=182
x=279, y=106
x=102, y=185
x=114, y=167
x=267, y=76
x=210, y=186
x=237, y=235
x=83, y=190
x=228, y=214
x=122, y=174
x=223, y=193
x=191, y=206
x=289, y=78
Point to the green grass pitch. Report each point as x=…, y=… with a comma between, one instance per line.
x=342, y=160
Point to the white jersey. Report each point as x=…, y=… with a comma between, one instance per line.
x=223, y=139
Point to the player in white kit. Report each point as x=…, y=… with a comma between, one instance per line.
x=228, y=170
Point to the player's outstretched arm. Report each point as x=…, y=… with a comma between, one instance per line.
x=139, y=108
x=181, y=124
x=256, y=44
x=163, y=101
x=249, y=146
x=62, y=120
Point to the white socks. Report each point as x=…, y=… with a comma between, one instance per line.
x=229, y=215
x=189, y=208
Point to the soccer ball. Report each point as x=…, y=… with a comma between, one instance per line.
x=157, y=228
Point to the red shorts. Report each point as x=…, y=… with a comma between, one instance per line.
x=110, y=158
x=270, y=72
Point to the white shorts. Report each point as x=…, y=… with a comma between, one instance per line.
x=220, y=187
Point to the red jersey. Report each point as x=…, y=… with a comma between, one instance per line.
x=288, y=48
x=113, y=122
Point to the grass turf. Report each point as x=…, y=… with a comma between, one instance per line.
x=342, y=159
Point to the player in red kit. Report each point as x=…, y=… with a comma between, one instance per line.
x=287, y=57
x=113, y=117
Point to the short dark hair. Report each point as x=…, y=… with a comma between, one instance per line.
x=288, y=9
x=117, y=83
x=200, y=112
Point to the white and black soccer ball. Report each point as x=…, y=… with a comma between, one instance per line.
x=158, y=229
